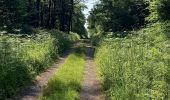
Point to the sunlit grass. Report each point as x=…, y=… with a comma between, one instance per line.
x=136, y=67
x=66, y=84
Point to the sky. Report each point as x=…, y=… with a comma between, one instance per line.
x=90, y=4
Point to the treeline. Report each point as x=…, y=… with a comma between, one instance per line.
x=24, y=15
x=125, y=15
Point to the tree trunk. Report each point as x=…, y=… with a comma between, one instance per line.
x=49, y=15
x=38, y=12
x=71, y=15
x=42, y=15
x=62, y=16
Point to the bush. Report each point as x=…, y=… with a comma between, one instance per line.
x=163, y=9
x=23, y=57
x=65, y=40
x=136, y=67
x=97, y=38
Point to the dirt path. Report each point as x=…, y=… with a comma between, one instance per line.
x=91, y=87
x=32, y=92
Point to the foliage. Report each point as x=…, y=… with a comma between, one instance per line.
x=79, y=20
x=25, y=56
x=96, y=39
x=159, y=10
x=153, y=16
x=118, y=15
x=24, y=15
x=65, y=40
x=136, y=67
x=163, y=9
x=65, y=85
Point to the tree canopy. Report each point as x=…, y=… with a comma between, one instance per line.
x=125, y=15
x=63, y=15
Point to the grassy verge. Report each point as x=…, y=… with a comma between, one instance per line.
x=136, y=67
x=23, y=57
x=66, y=84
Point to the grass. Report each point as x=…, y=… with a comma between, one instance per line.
x=28, y=55
x=66, y=84
x=136, y=67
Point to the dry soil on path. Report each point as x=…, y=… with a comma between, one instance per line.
x=91, y=86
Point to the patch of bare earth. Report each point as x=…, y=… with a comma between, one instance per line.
x=34, y=91
x=91, y=87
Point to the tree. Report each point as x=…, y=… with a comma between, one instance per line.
x=163, y=9
x=119, y=15
x=50, y=14
x=79, y=20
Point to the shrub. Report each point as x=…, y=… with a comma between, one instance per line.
x=136, y=67
x=97, y=38
x=65, y=40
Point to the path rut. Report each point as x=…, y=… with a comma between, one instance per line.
x=34, y=91
x=91, y=87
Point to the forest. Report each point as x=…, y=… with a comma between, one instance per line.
x=53, y=50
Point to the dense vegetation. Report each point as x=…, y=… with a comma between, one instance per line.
x=23, y=15
x=66, y=84
x=133, y=58
x=136, y=67
x=33, y=33
x=118, y=15
x=22, y=58
x=132, y=40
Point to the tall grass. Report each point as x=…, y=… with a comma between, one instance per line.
x=65, y=40
x=136, y=67
x=24, y=57
x=65, y=85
